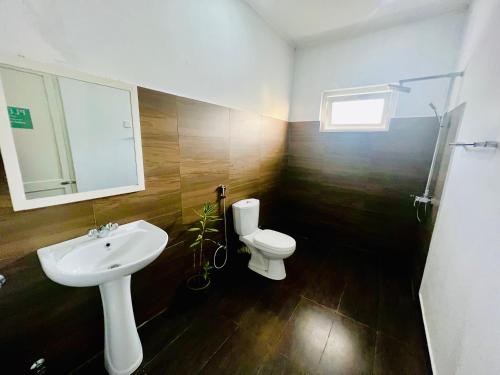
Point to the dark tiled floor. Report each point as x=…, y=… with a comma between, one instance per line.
x=339, y=311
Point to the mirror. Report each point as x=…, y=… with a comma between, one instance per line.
x=67, y=137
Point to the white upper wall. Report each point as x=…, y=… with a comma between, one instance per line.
x=217, y=51
x=461, y=284
x=315, y=21
x=417, y=49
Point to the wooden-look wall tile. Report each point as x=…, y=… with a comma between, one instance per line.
x=201, y=119
x=305, y=140
x=201, y=155
x=24, y=232
x=272, y=152
x=198, y=190
x=306, y=165
x=273, y=130
x=204, y=152
x=43, y=319
x=358, y=184
x=245, y=126
x=244, y=155
x=408, y=138
x=306, y=131
x=156, y=103
x=356, y=144
x=347, y=171
x=160, y=143
x=161, y=197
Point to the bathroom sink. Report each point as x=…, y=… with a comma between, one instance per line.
x=86, y=261
x=109, y=262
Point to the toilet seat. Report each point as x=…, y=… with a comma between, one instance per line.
x=274, y=241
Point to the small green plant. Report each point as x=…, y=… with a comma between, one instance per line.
x=205, y=270
x=204, y=227
x=244, y=250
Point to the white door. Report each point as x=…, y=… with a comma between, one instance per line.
x=41, y=146
x=99, y=124
x=460, y=291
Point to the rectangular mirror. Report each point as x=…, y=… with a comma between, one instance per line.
x=67, y=137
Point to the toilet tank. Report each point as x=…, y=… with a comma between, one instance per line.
x=246, y=216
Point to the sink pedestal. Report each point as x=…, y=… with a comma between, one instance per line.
x=122, y=346
x=108, y=263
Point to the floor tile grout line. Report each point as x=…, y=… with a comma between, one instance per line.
x=288, y=321
x=407, y=349
x=218, y=349
x=326, y=342
x=341, y=296
x=145, y=364
x=82, y=365
x=261, y=368
x=153, y=317
x=285, y=326
x=375, y=350
x=399, y=340
x=340, y=313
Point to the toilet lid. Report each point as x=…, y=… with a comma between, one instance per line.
x=273, y=240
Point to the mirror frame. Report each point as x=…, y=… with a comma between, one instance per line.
x=8, y=148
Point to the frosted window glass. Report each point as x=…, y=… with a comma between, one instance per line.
x=352, y=112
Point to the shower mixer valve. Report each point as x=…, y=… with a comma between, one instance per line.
x=420, y=200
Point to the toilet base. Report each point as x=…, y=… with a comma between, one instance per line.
x=273, y=269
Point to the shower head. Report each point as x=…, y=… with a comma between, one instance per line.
x=400, y=88
x=438, y=118
x=433, y=107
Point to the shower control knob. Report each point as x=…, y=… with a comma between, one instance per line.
x=38, y=367
x=3, y=280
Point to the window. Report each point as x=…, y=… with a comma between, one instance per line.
x=358, y=109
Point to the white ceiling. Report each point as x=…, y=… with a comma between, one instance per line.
x=304, y=22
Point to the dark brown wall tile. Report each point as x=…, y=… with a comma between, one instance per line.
x=26, y=231
x=358, y=184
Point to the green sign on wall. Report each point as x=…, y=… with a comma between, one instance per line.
x=20, y=118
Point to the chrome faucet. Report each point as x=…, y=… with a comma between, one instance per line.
x=102, y=231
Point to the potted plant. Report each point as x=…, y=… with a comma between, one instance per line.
x=203, y=229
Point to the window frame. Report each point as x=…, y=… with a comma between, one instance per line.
x=388, y=92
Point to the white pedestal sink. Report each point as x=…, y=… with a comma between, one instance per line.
x=108, y=263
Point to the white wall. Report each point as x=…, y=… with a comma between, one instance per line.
x=460, y=290
x=218, y=51
x=422, y=48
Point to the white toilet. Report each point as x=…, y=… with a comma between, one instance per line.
x=268, y=247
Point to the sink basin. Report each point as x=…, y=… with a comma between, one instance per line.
x=86, y=261
x=109, y=263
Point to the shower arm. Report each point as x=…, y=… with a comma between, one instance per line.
x=426, y=78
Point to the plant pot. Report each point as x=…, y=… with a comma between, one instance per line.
x=197, y=282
